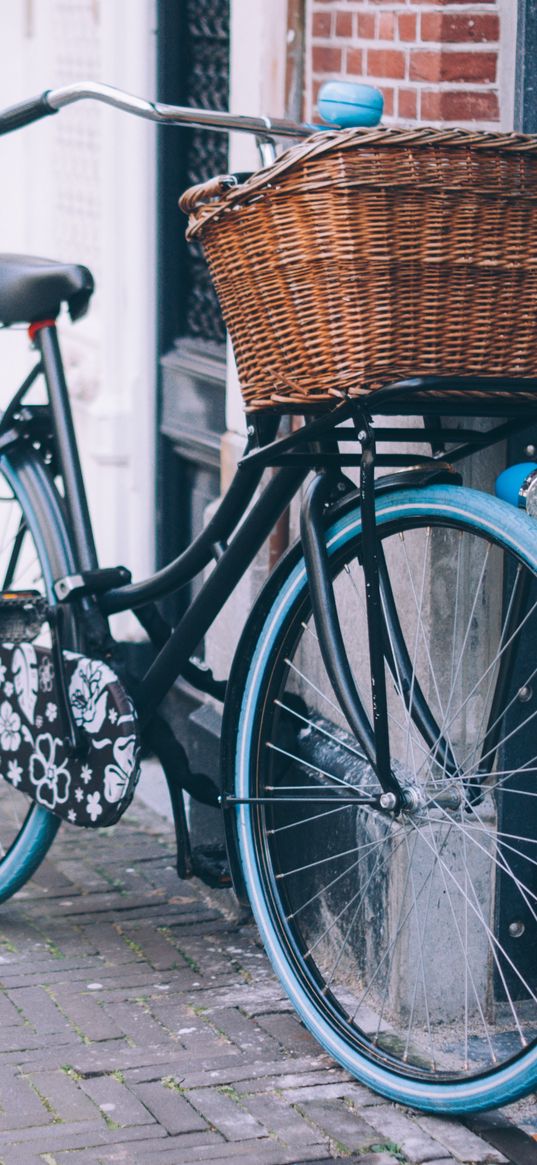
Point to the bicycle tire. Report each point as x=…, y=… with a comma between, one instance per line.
x=29, y=501
x=428, y=1073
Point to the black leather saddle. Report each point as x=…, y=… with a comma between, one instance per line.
x=34, y=289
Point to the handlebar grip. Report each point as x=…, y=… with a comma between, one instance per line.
x=25, y=112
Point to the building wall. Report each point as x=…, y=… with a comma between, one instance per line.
x=435, y=60
x=80, y=187
x=257, y=86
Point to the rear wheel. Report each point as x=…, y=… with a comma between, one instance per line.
x=403, y=942
x=35, y=550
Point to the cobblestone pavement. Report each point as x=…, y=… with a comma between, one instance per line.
x=140, y=1023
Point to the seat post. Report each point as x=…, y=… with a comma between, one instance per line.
x=43, y=334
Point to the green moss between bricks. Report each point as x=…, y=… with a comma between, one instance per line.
x=171, y=1083
x=388, y=1147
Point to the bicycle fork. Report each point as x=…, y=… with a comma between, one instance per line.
x=386, y=643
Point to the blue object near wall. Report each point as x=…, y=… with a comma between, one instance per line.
x=349, y=103
x=510, y=482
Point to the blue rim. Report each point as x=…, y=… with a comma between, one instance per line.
x=39, y=827
x=518, y=533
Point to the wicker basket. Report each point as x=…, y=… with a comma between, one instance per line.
x=360, y=257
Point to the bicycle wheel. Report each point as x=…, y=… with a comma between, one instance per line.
x=403, y=942
x=35, y=549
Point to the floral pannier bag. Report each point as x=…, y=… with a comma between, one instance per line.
x=92, y=788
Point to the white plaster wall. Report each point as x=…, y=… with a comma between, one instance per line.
x=507, y=61
x=257, y=87
x=80, y=187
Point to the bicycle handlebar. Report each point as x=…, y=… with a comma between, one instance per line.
x=52, y=100
x=25, y=112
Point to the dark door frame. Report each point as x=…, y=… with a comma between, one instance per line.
x=191, y=373
x=526, y=68
x=191, y=346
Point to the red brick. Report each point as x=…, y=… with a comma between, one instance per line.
x=386, y=63
x=315, y=87
x=326, y=59
x=437, y=65
x=344, y=24
x=426, y=66
x=476, y=29
x=355, y=63
x=407, y=26
x=440, y=3
x=366, y=25
x=431, y=25
x=388, y=101
x=471, y=66
x=459, y=105
x=386, y=26
x=431, y=105
x=408, y=104
x=322, y=22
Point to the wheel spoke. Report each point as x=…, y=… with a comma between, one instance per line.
x=399, y=921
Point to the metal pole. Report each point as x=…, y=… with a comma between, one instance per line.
x=526, y=68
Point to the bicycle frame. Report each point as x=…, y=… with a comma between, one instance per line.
x=310, y=914
x=241, y=525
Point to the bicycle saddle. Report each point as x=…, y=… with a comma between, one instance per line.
x=34, y=289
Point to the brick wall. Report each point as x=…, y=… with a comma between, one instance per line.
x=435, y=60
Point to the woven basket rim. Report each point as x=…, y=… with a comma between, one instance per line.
x=336, y=141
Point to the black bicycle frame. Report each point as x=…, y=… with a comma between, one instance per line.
x=241, y=525
x=46, y=341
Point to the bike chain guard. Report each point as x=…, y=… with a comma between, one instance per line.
x=93, y=783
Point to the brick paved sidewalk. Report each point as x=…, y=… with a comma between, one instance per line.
x=140, y=1022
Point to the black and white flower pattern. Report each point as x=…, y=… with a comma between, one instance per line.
x=90, y=789
x=26, y=678
x=52, y=779
x=10, y=723
x=46, y=674
x=88, y=694
x=14, y=772
x=93, y=806
x=117, y=776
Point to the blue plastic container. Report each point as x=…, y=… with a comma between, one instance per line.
x=348, y=103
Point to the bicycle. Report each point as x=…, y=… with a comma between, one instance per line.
x=363, y=819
